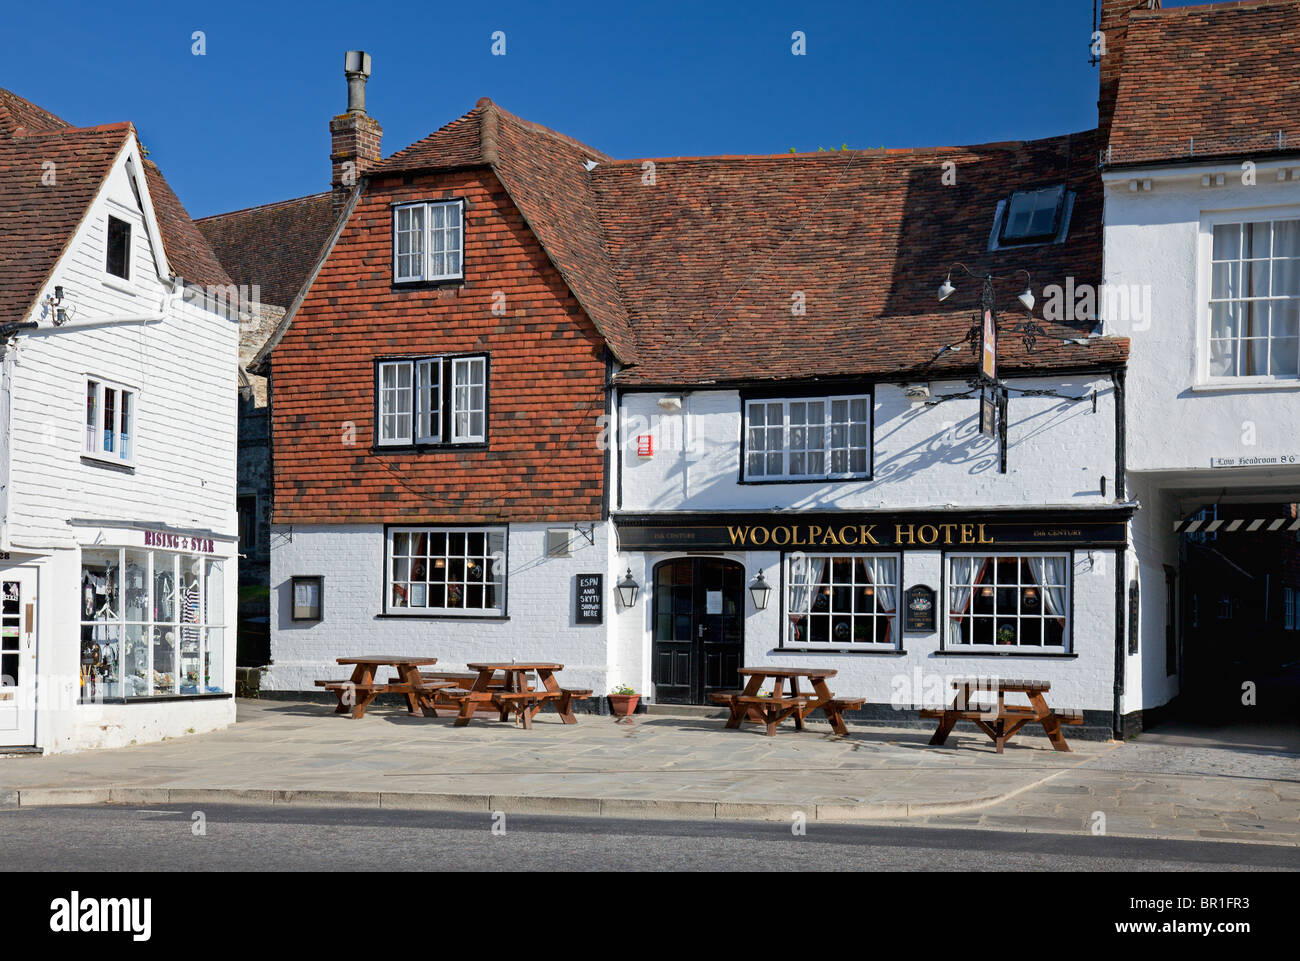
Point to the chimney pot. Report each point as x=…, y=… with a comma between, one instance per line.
x=356, y=67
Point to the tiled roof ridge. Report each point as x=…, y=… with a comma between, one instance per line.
x=861, y=152
x=6, y=111
x=488, y=106
x=267, y=206
x=1200, y=8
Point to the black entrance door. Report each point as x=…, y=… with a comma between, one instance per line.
x=699, y=628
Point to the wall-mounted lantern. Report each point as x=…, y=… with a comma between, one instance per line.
x=627, y=589
x=761, y=591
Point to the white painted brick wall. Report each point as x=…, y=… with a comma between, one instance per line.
x=540, y=607
x=1085, y=682
x=924, y=456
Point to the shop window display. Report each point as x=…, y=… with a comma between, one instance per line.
x=151, y=624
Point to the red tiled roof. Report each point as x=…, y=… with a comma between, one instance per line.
x=690, y=279
x=1215, y=80
x=545, y=175
x=713, y=256
x=38, y=220
x=16, y=113
x=274, y=246
x=188, y=253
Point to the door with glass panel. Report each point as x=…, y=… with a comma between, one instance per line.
x=699, y=628
x=17, y=658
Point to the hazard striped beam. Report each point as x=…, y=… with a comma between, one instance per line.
x=1266, y=524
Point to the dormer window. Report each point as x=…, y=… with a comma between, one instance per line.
x=428, y=242
x=117, y=260
x=1039, y=216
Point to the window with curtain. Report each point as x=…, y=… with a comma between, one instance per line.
x=428, y=242
x=1001, y=601
x=1255, y=300
x=848, y=600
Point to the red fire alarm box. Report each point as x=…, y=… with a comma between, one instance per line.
x=645, y=445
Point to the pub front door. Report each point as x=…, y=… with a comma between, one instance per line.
x=699, y=628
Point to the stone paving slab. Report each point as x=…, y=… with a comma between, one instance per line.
x=685, y=767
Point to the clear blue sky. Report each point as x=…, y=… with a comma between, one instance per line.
x=247, y=123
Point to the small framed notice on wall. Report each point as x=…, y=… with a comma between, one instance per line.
x=589, y=599
x=919, y=616
x=308, y=598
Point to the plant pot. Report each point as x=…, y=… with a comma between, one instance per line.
x=623, y=704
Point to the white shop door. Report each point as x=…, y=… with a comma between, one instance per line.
x=17, y=659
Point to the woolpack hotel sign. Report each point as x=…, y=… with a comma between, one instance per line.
x=937, y=530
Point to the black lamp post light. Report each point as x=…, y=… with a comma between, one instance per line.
x=627, y=589
x=761, y=591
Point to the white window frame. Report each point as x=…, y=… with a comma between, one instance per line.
x=827, y=448
x=442, y=371
x=951, y=645
x=427, y=231
x=93, y=442
x=111, y=277
x=495, y=572
x=399, y=438
x=1204, y=290
x=792, y=584
x=466, y=411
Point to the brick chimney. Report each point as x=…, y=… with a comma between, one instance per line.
x=1114, y=27
x=354, y=136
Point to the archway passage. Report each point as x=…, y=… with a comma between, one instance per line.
x=1240, y=614
x=699, y=628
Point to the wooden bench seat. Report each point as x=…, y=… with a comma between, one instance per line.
x=724, y=697
x=757, y=701
x=849, y=703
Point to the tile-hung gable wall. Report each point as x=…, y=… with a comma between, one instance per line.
x=543, y=460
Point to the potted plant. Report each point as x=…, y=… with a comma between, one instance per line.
x=1006, y=634
x=623, y=700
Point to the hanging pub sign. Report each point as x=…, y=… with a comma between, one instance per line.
x=919, y=607
x=989, y=346
x=589, y=600
x=988, y=413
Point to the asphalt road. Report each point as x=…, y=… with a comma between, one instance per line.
x=290, y=838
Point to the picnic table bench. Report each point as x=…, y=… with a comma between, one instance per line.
x=357, y=692
x=514, y=692
x=999, y=720
x=770, y=710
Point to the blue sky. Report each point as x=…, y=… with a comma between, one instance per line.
x=247, y=123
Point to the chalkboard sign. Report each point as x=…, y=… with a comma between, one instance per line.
x=919, y=616
x=590, y=599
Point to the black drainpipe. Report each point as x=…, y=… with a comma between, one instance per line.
x=1116, y=722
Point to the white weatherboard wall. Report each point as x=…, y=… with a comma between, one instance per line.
x=1085, y=682
x=184, y=369
x=540, y=608
x=1156, y=239
x=925, y=456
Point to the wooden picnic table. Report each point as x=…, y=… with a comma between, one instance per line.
x=355, y=693
x=514, y=694
x=999, y=720
x=748, y=704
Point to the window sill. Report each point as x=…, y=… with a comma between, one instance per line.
x=427, y=448
x=949, y=652
x=447, y=282
x=121, y=285
x=122, y=466
x=442, y=617
x=1246, y=384
x=156, y=698
x=812, y=649
x=808, y=480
